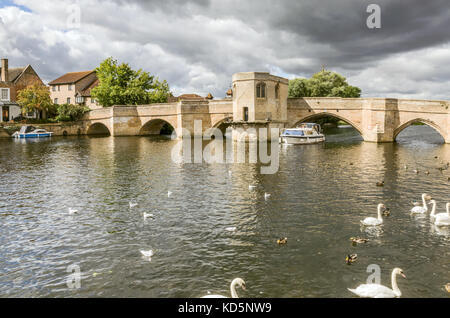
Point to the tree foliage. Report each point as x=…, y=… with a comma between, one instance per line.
x=323, y=84
x=121, y=85
x=68, y=112
x=35, y=98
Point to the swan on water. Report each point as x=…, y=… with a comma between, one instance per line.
x=266, y=195
x=380, y=291
x=147, y=254
x=440, y=219
x=370, y=221
x=251, y=187
x=231, y=229
x=236, y=282
x=72, y=211
x=133, y=204
x=421, y=209
x=169, y=193
x=148, y=215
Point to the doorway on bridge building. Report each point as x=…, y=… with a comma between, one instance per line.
x=334, y=128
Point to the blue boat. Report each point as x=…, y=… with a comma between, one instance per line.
x=32, y=132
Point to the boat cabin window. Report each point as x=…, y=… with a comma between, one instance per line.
x=294, y=133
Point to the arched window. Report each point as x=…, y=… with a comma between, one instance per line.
x=261, y=90
x=277, y=91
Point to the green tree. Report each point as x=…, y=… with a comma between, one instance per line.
x=298, y=87
x=323, y=84
x=121, y=85
x=35, y=98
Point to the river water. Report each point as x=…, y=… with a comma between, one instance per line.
x=318, y=197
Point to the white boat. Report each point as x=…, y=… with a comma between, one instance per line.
x=306, y=133
x=31, y=132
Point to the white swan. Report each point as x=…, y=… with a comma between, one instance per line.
x=380, y=291
x=148, y=215
x=72, y=211
x=266, y=195
x=370, y=221
x=169, y=193
x=234, y=283
x=440, y=219
x=132, y=204
x=147, y=255
x=421, y=209
x=251, y=187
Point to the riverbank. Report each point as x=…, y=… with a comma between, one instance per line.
x=58, y=129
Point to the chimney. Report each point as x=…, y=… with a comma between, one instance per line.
x=4, y=75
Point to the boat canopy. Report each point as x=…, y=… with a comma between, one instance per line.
x=308, y=125
x=26, y=129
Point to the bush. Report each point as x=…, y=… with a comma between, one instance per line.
x=68, y=112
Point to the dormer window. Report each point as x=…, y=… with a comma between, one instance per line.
x=261, y=90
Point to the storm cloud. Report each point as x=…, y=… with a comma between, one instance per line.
x=197, y=45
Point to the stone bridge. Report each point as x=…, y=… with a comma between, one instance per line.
x=150, y=119
x=376, y=119
x=260, y=100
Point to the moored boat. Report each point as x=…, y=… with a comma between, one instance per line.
x=306, y=133
x=31, y=132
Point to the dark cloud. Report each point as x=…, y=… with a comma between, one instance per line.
x=197, y=45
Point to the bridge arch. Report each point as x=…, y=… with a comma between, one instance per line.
x=156, y=126
x=225, y=120
x=223, y=123
x=429, y=123
x=328, y=114
x=98, y=129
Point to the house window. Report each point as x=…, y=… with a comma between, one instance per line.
x=5, y=94
x=54, y=88
x=55, y=101
x=79, y=99
x=70, y=87
x=68, y=100
x=261, y=90
x=58, y=88
x=277, y=91
x=245, y=113
x=93, y=101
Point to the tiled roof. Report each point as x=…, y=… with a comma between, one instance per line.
x=190, y=96
x=13, y=73
x=70, y=78
x=86, y=92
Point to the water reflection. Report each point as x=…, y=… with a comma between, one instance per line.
x=318, y=197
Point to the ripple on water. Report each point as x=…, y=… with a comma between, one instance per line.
x=318, y=198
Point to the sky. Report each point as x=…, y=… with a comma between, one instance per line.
x=198, y=45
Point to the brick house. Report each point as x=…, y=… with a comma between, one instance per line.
x=74, y=88
x=12, y=80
